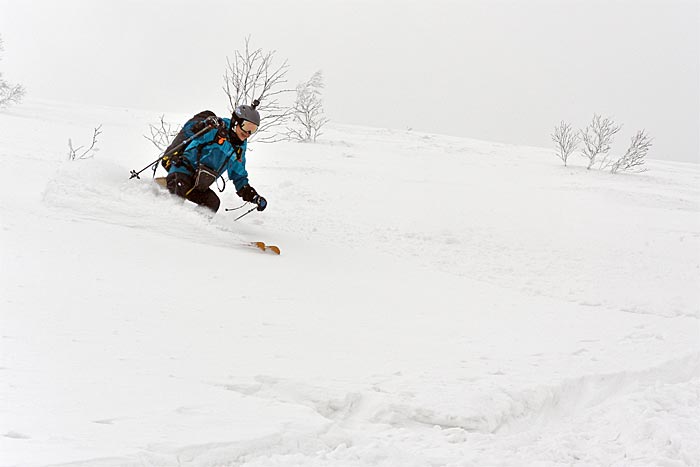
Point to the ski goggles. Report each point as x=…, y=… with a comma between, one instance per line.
x=248, y=127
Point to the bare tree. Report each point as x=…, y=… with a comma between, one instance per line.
x=634, y=158
x=162, y=134
x=73, y=153
x=308, y=110
x=253, y=74
x=566, y=141
x=597, y=138
x=9, y=93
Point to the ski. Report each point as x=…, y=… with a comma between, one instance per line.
x=266, y=248
x=274, y=249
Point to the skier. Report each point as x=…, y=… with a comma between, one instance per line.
x=206, y=158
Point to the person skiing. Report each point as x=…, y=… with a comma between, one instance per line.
x=207, y=157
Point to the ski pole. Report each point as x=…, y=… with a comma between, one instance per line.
x=154, y=164
x=236, y=209
x=245, y=214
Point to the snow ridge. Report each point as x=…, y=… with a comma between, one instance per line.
x=439, y=301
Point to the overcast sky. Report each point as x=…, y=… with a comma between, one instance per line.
x=498, y=70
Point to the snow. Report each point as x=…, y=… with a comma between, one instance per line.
x=438, y=301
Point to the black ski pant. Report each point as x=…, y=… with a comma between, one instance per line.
x=181, y=184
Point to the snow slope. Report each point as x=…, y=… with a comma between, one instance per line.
x=438, y=301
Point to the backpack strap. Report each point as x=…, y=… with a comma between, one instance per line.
x=218, y=139
x=237, y=150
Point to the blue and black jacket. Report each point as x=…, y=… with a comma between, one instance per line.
x=215, y=152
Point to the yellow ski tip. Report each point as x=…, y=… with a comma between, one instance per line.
x=267, y=248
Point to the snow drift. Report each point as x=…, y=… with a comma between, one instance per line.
x=438, y=301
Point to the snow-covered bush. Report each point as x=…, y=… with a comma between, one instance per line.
x=634, y=158
x=9, y=93
x=597, y=138
x=162, y=133
x=566, y=141
x=308, y=117
x=79, y=153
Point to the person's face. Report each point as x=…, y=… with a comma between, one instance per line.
x=245, y=129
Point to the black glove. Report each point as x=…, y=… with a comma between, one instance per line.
x=248, y=193
x=261, y=202
x=214, y=122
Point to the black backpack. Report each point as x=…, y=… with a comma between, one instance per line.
x=192, y=126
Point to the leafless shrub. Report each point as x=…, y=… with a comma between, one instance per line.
x=634, y=158
x=253, y=74
x=566, y=141
x=9, y=93
x=79, y=153
x=597, y=138
x=307, y=112
x=162, y=133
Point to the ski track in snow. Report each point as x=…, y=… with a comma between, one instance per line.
x=501, y=342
